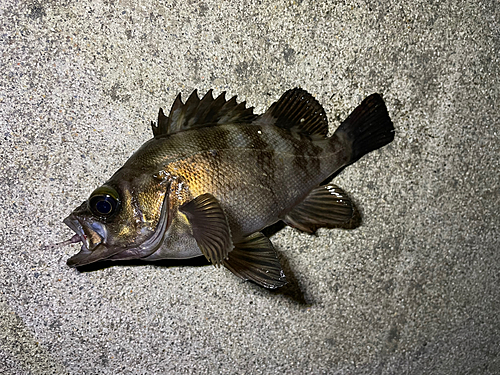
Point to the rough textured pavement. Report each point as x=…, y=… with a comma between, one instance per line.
x=413, y=288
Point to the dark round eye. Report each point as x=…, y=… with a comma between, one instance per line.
x=104, y=201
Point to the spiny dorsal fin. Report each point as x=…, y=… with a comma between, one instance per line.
x=161, y=127
x=196, y=113
x=299, y=111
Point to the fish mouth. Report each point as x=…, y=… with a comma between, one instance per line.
x=90, y=251
x=76, y=260
x=76, y=227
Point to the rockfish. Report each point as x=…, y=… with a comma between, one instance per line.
x=216, y=174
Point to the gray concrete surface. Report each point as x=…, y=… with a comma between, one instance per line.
x=414, y=289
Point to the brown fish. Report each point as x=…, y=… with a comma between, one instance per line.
x=215, y=175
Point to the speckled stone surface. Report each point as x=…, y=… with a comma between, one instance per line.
x=414, y=289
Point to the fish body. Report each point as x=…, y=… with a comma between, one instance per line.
x=215, y=175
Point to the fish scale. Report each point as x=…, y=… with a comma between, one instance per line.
x=239, y=170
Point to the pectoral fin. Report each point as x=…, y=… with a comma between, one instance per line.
x=255, y=259
x=210, y=227
x=324, y=207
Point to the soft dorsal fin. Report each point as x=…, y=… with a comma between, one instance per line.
x=196, y=113
x=299, y=111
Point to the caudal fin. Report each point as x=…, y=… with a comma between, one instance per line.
x=368, y=127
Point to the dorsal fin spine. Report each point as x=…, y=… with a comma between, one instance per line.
x=196, y=113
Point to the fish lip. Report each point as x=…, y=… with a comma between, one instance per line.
x=78, y=259
x=85, y=257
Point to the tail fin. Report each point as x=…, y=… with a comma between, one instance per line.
x=368, y=127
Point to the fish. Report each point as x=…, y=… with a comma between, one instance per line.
x=215, y=175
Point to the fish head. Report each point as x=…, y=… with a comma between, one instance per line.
x=126, y=218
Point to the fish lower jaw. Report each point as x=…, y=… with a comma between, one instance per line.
x=78, y=260
x=86, y=256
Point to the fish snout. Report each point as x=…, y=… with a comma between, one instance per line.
x=93, y=235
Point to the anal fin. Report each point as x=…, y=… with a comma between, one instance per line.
x=255, y=259
x=325, y=207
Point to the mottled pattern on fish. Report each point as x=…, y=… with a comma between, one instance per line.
x=215, y=175
x=269, y=166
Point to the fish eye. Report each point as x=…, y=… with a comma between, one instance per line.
x=104, y=201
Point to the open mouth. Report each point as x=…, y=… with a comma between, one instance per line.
x=78, y=229
x=92, y=247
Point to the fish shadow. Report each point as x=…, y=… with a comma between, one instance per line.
x=166, y=263
x=290, y=291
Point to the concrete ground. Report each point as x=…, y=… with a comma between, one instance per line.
x=412, y=289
